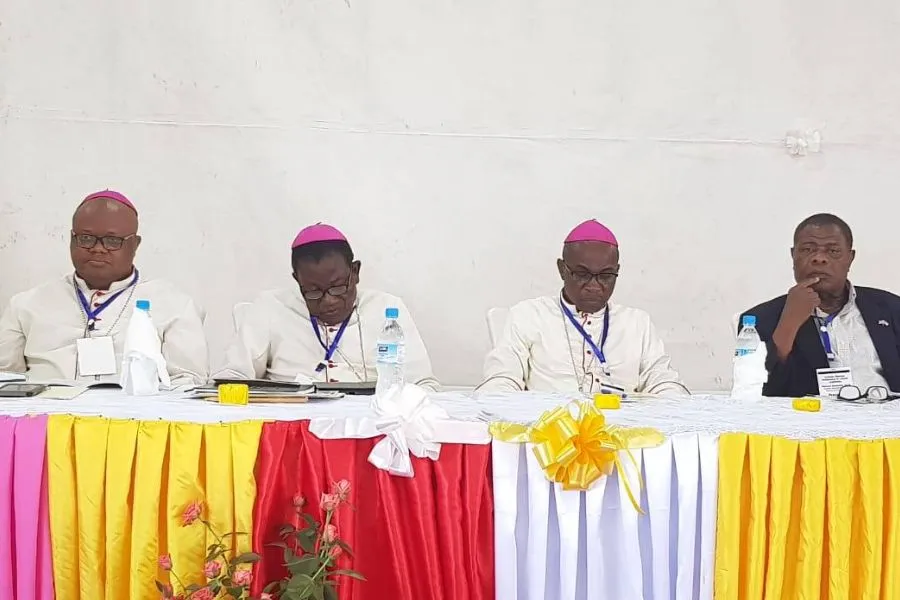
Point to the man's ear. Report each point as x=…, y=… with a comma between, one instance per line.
x=355, y=268
x=561, y=267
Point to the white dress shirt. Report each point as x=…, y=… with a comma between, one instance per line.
x=276, y=341
x=852, y=345
x=39, y=329
x=541, y=350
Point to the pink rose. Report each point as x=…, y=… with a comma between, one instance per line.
x=242, y=577
x=165, y=562
x=212, y=569
x=329, y=502
x=334, y=552
x=203, y=594
x=266, y=596
x=329, y=534
x=342, y=490
x=191, y=513
x=298, y=501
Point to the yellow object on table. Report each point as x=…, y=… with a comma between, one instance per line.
x=234, y=393
x=607, y=401
x=807, y=404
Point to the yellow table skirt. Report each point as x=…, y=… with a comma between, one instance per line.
x=807, y=520
x=117, y=491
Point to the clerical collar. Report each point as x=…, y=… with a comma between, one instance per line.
x=851, y=301
x=575, y=311
x=114, y=287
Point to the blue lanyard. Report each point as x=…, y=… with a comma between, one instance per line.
x=329, y=350
x=823, y=334
x=92, y=315
x=598, y=352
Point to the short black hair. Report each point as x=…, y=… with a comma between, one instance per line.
x=316, y=251
x=825, y=220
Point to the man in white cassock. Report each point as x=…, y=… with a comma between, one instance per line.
x=579, y=341
x=74, y=328
x=324, y=329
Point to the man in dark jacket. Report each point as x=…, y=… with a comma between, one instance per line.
x=824, y=326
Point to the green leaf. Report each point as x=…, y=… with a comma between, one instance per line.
x=329, y=592
x=310, y=520
x=246, y=557
x=301, y=583
x=268, y=589
x=306, y=565
x=344, y=546
x=161, y=587
x=214, y=551
x=307, y=542
x=235, y=592
x=234, y=534
x=194, y=587
x=318, y=593
x=347, y=573
x=276, y=545
x=286, y=530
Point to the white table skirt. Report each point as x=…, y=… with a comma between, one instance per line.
x=552, y=544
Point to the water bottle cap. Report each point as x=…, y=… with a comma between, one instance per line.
x=749, y=321
x=391, y=313
x=143, y=305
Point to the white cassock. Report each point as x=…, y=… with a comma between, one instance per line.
x=40, y=328
x=276, y=340
x=540, y=349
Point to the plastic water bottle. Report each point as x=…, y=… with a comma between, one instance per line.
x=750, y=372
x=140, y=369
x=391, y=353
x=748, y=338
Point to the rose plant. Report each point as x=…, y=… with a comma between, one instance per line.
x=311, y=551
x=225, y=577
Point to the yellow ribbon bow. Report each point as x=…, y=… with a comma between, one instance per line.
x=578, y=452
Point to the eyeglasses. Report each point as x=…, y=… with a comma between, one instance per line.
x=874, y=395
x=583, y=277
x=109, y=242
x=336, y=290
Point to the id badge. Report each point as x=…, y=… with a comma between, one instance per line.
x=96, y=356
x=832, y=380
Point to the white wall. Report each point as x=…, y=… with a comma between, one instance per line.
x=456, y=141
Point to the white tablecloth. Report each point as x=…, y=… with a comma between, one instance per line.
x=551, y=544
x=701, y=414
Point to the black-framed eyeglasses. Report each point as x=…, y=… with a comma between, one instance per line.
x=109, y=242
x=336, y=290
x=583, y=277
x=874, y=395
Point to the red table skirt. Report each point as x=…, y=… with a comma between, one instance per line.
x=428, y=537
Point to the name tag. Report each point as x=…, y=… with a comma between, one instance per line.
x=96, y=356
x=832, y=380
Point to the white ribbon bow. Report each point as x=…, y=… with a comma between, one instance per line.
x=406, y=417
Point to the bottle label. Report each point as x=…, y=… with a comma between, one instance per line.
x=388, y=353
x=743, y=352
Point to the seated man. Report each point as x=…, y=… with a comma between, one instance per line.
x=577, y=341
x=75, y=327
x=324, y=328
x=825, y=326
